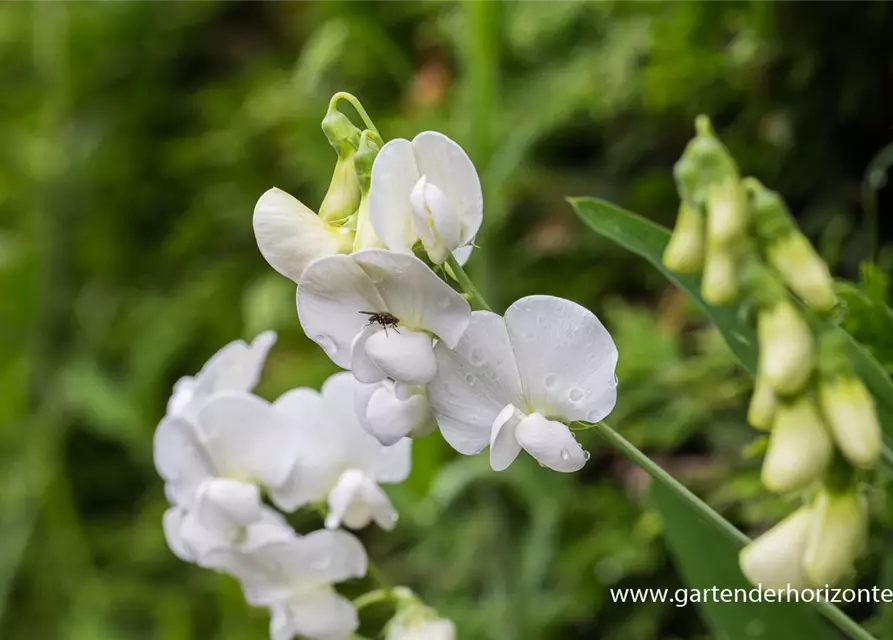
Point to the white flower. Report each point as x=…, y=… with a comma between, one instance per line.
x=236, y=367
x=337, y=294
x=290, y=236
x=775, y=559
x=234, y=436
x=511, y=382
x=294, y=579
x=426, y=190
x=392, y=411
x=339, y=461
x=409, y=626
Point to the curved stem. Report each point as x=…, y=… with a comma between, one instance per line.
x=723, y=526
x=354, y=101
x=376, y=574
x=373, y=597
x=466, y=283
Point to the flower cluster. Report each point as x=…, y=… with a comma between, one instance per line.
x=377, y=270
x=822, y=424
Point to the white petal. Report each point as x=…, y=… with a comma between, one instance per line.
x=290, y=236
x=225, y=505
x=361, y=365
x=421, y=223
x=172, y=523
x=182, y=396
x=775, y=559
x=415, y=295
x=393, y=175
x=237, y=366
x=474, y=382
x=446, y=165
x=446, y=222
x=565, y=356
x=551, y=443
x=247, y=438
x=390, y=419
x=404, y=355
x=355, y=500
x=463, y=253
x=332, y=293
x=504, y=447
x=180, y=458
x=319, y=615
x=331, y=556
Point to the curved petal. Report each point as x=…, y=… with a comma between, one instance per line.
x=248, y=438
x=474, y=382
x=361, y=365
x=407, y=356
x=237, y=366
x=332, y=294
x=318, y=615
x=446, y=165
x=172, y=523
x=180, y=458
x=551, y=443
x=463, y=253
x=504, y=447
x=355, y=500
x=566, y=358
x=394, y=173
x=329, y=556
x=225, y=504
x=290, y=236
x=181, y=397
x=390, y=419
x=415, y=295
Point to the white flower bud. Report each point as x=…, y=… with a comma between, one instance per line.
x=685, y=251
x=798, y=264
x=719, y=282
x=774, y=560
x=786, y=348
x=849, y=411
x=726, y=212
x=414, y=621
x=836, y=537
x=799, y=447
x=762, y=405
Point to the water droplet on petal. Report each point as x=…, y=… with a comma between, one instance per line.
x=550, y=380
x=575, y=395
x=586, y=455
x=565, y=454
x=475, y=357
x=614, y=381
x=325, y=341
x=592, y=416
x=469, y=378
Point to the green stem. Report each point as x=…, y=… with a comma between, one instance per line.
x=371, y=598
x=466, y=283
x=377, y=576
x=726, y=528
x=353, y=100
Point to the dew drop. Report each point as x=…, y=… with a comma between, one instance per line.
x=475, y=357
x=593, y=416
x=325, y=341
x=550, y=380
x=575, y=395
x=586, y=455
x=469, y=378
x=613, y=382
x=565, y=454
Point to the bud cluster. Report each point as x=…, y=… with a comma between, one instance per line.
x=742, y=240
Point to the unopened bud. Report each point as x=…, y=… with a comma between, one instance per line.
x=704, y=161
x=762, y=405
x=364, y=158
x=799, y=447
x=341, y=133
x=852, y=419
x=343, y=196
x=836, y=536
x=685, y=251
x=774, y=560
x=786, y=348
x=719, y=282
x=803, y=270
x=726, y=211
x=416, y=621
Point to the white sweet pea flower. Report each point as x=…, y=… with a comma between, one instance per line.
x=339, y=461
x=290, y=236
x=236, y=443
x=294, y=579
x=420, y=624
x=236, y=367
x=426, y=190
x=511, y=383
x=338, y=293
x=391, y=412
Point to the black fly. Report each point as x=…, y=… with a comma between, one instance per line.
x=383, y=318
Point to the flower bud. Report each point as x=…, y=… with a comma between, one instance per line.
x=801, y=268
x=415, y=621
x=799, y=447
x=726, y=211
x=786, y=348
x=836, y=537
x=343, y=196
x=719, y=282
x=685, y=251
x=762, y=405
x=705, y=161
x=774, y=560
x=364, y=158
x=849, y=411
x=341, y=133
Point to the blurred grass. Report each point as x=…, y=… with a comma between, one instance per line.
x=137, y=137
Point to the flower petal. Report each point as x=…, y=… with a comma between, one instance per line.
x=403, y=355
x=332, y=293
x=446, y=165
x=551, y=443
x=172, y=522
x=181, y=459
x=361, y=365
x=330, y=556
x=565, y=356
x=775, y=559
x=355, y=500
x=248, y=438
x=290, y=236
x=224, y=505
x=504, y=447
x=415, y=295
x=474, y=382
x=394, y=173
x=390, y=419
x=319, y=615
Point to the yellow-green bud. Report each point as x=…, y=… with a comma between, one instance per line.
x=801, y=268
x=850, y=413
x=762, y=405
x=343, y=196
x=799, y=447
x=704, y=161
x=836, y=537
x=774, y=560
x=726, y=211
x=685, y=251
x=719, y=282
x=786, y=348
x=364, y=159
x=341, y=133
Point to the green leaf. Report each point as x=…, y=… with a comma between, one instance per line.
x=706, y=560
x=648, y=240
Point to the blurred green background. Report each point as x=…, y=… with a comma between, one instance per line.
x=136, y=138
